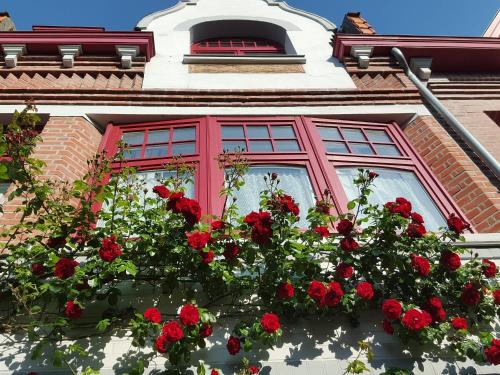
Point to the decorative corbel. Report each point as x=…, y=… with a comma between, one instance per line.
x=69, y=53
x=12, y=52
x=421, y=66
x=363, y=54
x=127, y=53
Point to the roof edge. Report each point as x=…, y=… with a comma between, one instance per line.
x=327, y=24
x=145, y=21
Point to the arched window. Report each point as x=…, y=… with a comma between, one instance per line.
x=239, y=46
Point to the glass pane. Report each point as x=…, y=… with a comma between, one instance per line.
x=183, y=148
x=287, y=146
x=330, y=133
x=156, y=151
x=361, y=148
x=293, y=180
x=336, y=147
x=158, y=136
x=135, y=138
x=156, y=177
x=353, y=134
x=184, y=134
x=254, y=131
x=392, y=184
x=234, y=146
x=283, y=132
x=232, y=132
x=261, y=146
x=387, y=150
x=132, y=153
x=378, y=136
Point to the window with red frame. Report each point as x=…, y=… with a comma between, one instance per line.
x=237, y=46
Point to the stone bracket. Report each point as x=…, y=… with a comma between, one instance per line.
x=421, y=66
x=363, y=54
x=127, y=54
x=68, y=53
x=12, y=53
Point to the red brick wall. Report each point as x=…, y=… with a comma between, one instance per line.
x=67, y=144
x=471, y=189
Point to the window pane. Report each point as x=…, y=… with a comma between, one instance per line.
x=378, y=136
x=287, y=146
x=361, y=148
x=254, y=131
x=261, y=146
x=183, y=148
x=336, y=147
x=232, y=132
x=293, y=180
x=135, y=138
x=156, y=151
x=387, y=150
x=283, y=132
x=132, y=153
x=330, y=133
x=353, y=134
x=158, y=136
x=392, y=184
x=184, y=134
x=234, y=146
x=156, y=177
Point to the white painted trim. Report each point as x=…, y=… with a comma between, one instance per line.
x=261, y=59
x=188, y=24
x=144, y=22
x=329, y=26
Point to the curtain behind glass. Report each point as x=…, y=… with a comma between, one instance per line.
x=392, y=184
x=293, y=180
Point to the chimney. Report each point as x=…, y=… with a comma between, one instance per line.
x=355, y=24
x=6, y=23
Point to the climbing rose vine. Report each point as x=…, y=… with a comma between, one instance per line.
x=66, y=263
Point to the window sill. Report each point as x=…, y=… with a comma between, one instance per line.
x=225, y=59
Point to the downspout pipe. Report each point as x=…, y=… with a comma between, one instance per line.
x=452, y=121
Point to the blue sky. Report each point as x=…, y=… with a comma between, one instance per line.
x=424, y=17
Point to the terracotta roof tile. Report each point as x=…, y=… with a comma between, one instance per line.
x=355, y=24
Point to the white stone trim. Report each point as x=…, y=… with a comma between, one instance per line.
x=261, y=59
x=363, y=54
x=127, y=54
x=12, y=52
x=421, y=66
x=188, y=24
x=329, y=26
x=68, y=53
x=144, y=22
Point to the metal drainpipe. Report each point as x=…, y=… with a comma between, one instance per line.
x=473, y=143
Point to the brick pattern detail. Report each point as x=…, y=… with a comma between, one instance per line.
x=67, y=143
x=464, y=181
x=370, y=81
x=246, y=68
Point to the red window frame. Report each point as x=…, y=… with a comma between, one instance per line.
x=238, y=46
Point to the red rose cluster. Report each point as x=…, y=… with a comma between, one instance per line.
x=489, y=268
x=344, y=271
x=365, y=290
x=73, y=310
x=459, y=323
x=189, y=315
x=233, y=345
x=392, y=309
x=416, y=319
x=401, y=207
x=285, y=204
x=270, y=322
x=152, y=315
x=322, y=231
x=348, y=244
x=434, y=307
x=161, y=191
x=324, y=296
x=231, y=251
x=420, y=264
x=218, y=225
x=110, y=249
x=456, y=224
x=38, y=269
x=415, y=230
x=285, y=291
x=198, y=240
x=170, y=333
x=261, y=224
x=65, y=268
x=492, y=353
x=188, y=208
x=496, y=296
x=470, y=295
x=345, y=227
x=450, y=260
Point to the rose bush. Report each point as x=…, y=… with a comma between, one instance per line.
x=64, y=258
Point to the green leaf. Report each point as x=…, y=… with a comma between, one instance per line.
x=356, y=367
x=351, y=205
x=201, y=369
x=103, y=325
x=58, y=358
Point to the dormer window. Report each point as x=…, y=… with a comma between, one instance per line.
x=237, y=46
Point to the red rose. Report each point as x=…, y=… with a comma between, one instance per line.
x=459, y=323
x=421, y=265
x=251, y=219
x=161, y=343
x=489, y=268
x=152, y=315
x=172, y=332
x=415, y=230
x=218, y=225
x=253, y=370
x=73, y=310
x=387, y=326
x=38, y=269
x=322, y=231
x=174, y=201
x=56, y=242
x=206, y=330
x=450, y=260
x=198, y=240
x=189, y=208
x=365, y=290
x=343, y=271
x=417, y=218
x=110, y=249
x=261, y=227
x=493, y=352
x=189, y=315
x=231, y=251
x=456, y=224
x=345, y=227
x=214, y=372
x=65, y=268
x=372, y=175
x=285, y=291
x=285, y=204
x=349, y=244
x=415, y=319
x=470, y=295
x=392, y=309
x=316, y=290
x=434, y=307
x=333, y=295
x=233, y=345
x=207, y=257
x=162, y=191
x=323, y=207
x=401, y=207
x=270, y=322
x=496, y=296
